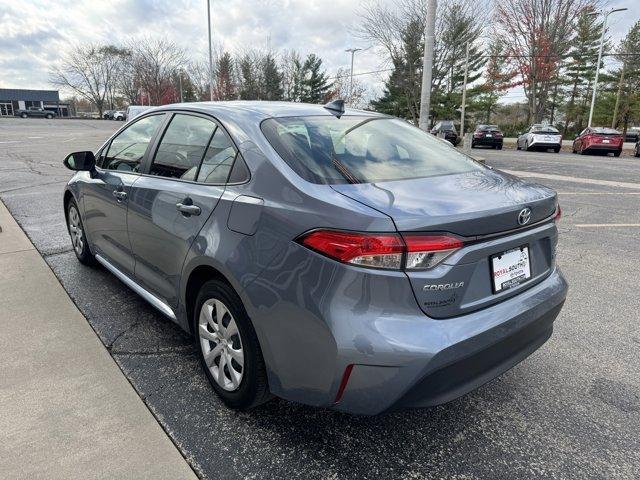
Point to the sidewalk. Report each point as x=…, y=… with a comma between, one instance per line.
x=66, y=409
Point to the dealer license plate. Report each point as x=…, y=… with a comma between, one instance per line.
x=510, y=268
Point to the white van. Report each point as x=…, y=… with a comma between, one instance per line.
x=134, y=110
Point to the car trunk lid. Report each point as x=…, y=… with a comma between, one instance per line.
x=482, y=208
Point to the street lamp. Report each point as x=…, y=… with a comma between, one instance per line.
x=210, y=51
x=595, y=82
x=353, y=52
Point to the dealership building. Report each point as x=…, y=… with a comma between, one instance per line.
x=17, y=99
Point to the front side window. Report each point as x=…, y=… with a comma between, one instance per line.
x=182, y=147
x=360, y=149
x=127, y=149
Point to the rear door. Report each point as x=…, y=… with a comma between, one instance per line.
x=106, y=193
x=171, y=202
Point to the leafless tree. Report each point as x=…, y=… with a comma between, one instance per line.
x=357, y=98
x=90, y=71
x=154, y=64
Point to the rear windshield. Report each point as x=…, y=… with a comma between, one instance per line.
x=487, y=128
x=606, y=131
x=544, y=129
x=359, y=149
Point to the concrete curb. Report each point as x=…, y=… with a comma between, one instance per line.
x=66, y=409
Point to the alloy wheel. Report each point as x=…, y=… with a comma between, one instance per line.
x=221, y=344
x=75, y=229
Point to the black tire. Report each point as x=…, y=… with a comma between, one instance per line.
x=49, y=116
x=617, y=153
x=499, y=147
x=253, y=389
x=83, y=254
x=518, y=145
x=23, y=115
x=636, y=152
x=473, y=145
x=557, y=149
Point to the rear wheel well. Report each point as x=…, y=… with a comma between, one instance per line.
x=197, y=278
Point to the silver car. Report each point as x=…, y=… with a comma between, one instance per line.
x=342, y=259
x=540, y=137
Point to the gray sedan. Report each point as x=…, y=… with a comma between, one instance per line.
x=339, y=258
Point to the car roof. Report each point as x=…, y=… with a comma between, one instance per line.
x=263, y=109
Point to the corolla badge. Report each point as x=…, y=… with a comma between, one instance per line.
x=524, y=216
x=442, y=286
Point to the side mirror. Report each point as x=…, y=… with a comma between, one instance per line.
x=80, y=161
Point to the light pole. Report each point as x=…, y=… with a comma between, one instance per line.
x=427, y=64
x=210, y=51
x=353, y=52
x=180, y=83
x=595, y=81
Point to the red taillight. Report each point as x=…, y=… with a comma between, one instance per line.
x=478, y=135
x=382, y=250
x=426, y=251
x=558, y=214
x=379, y=250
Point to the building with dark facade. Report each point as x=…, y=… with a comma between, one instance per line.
x=15, y=99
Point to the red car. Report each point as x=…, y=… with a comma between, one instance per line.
x=598, y=139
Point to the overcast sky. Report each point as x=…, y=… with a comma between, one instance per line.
x=36, y=33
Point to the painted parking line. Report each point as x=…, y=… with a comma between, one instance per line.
x=598, y=193
x=564, y=178
x=606, y=225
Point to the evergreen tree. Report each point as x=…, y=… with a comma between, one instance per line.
x=249, y=80
x=271, y=79
x=224, y=88
x=316, y=83
x=629, y=109
x=580, y=71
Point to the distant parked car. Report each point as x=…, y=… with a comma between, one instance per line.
x=134, y=110
x=598, y=139
x=487, y=135
x=447, y=130
x=636, y=149
x=108, y=114
x=35, y=112
x=119, y=115
x=633, y=135
x=540, y=137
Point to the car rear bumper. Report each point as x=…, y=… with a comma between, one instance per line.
x=545, y=145
x=491, y=142
x=601, y=147
x=470, y=351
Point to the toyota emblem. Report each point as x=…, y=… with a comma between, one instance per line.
x=524, y=216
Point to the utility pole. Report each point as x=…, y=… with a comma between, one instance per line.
x=595, y=82
x=464, y=91
x=353, y=52
x=210, y=51
x=180, y=83
x=427, y=64
x=620, y=82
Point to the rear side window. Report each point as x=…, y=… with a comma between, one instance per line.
x=127, y=149
x=218, y=159
x=182, y=147
x=360, y=149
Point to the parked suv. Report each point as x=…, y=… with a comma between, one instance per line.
x=342, y=259
x=447, y=130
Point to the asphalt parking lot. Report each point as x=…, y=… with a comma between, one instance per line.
x=571, y=410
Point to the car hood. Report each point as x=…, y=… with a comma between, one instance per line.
x=468, y=204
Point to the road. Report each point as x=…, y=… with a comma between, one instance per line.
x=571, y=410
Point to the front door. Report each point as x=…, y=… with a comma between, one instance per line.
x=169, y=206
x=106, y=195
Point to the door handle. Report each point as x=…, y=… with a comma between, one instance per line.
x=120, y=195
x=188, y=209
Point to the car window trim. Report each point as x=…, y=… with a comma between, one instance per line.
x=107, y=144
